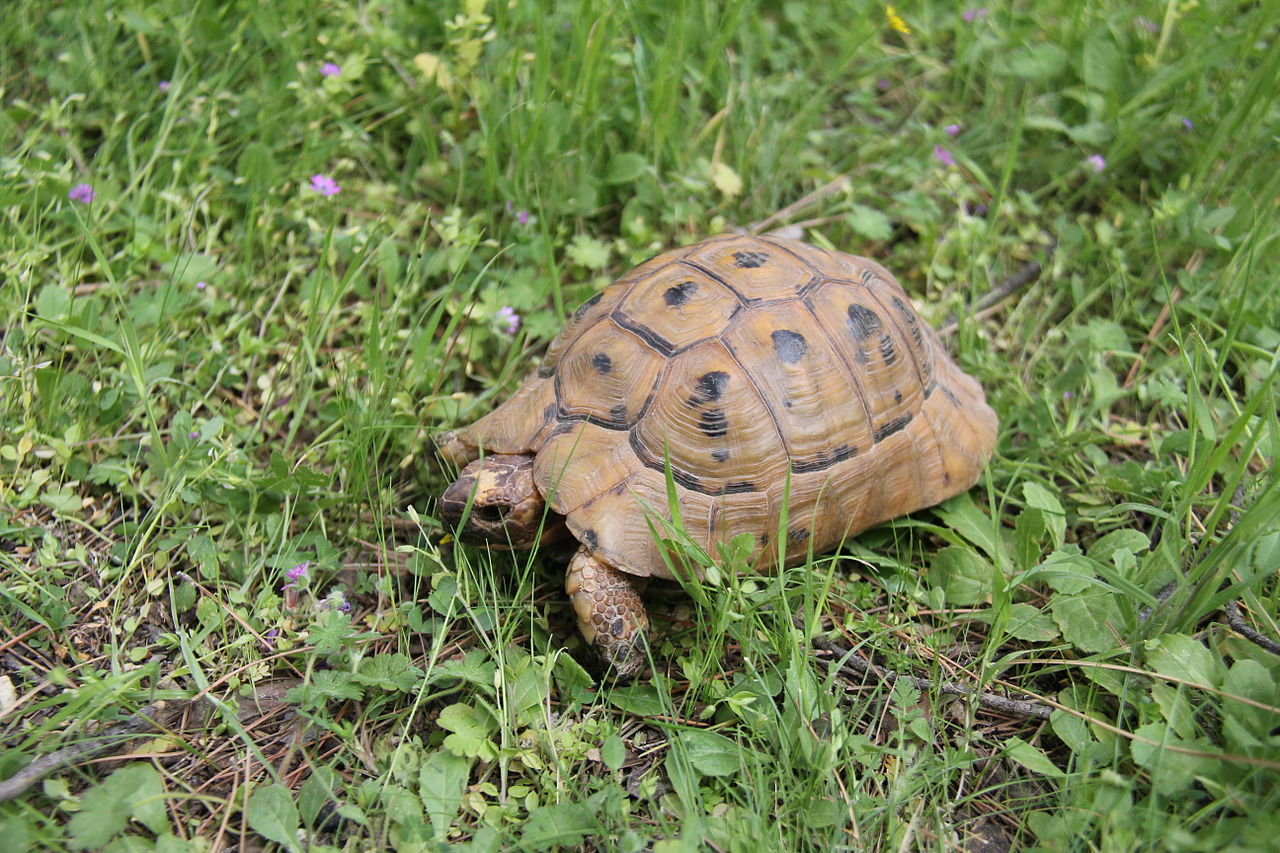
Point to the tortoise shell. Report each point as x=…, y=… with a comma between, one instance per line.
x=762, y=373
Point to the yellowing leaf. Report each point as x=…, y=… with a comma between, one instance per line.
x=435, y=69
x=725, y=179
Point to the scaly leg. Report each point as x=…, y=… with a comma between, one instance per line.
x=610, y=613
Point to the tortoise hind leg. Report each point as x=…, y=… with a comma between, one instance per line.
x=610, y=614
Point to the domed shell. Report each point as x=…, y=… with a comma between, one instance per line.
x=768, y=376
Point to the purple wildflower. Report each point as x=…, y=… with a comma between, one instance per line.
x=193, y=434
x=82, y=193
x=201, y=285
x=508, y=319
x=883, y=84
x=1147, y=24
x=325, y=185
x=977, y=14
x=163, y=85
x=1067, y=395
x=330, y=69
x=1188, y=124
x=297, y=576
x=1096, y=162
x=952, y=129
x=337, y=601
x=944, y=156
x=522, y=217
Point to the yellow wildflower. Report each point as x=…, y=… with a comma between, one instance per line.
x=895, y=21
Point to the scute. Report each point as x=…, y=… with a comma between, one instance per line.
x=675, y=308
x=607, y=375
x=753, y=371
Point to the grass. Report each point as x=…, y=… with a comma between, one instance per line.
x=211, y=374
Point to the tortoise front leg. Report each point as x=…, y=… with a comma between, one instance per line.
x=610, y=613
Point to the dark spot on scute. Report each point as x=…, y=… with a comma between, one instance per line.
x=678, y=294
x=763, y=539
x=947, y=392
x=786, y=404
x=549, y=413
x=586, y=306
x=863, y=322
x=619, y=414
x=907, y=313
x=590, y=539
x=749, y=260
x=896, y=425
x=601, y=362
x=897, y=397
x=790, y=346
x=886, y=349
x=617, y=626
x=719, y=454
x=709, y=387
x=825, y=459
x=798, y=534
x=738, y=488
x=546, y=371
x=713, y=423
x=687, y=480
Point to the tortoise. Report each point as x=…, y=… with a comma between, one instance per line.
x=748, y=372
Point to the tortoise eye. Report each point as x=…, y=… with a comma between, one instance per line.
x=488, y=512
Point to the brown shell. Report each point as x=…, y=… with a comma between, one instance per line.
x=742, y=362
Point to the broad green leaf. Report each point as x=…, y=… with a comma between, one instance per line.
x=963, y=574
x=1119, y=541
x=475, y=668
x=613, y=752
x=1072, y=730
x=1090, y=621
x=1171, y=772
x=558, y=826
x=441, y=783
x=625, y=168
x=639, y=699
x=53, y=302
x=62, y=501
x=1180, y=656
x=1038, y=62
x=273, y=815
x=470, y=727
x=711, y=753
x=319, y=790
x=869, y=222
x=1030, y=757
x=1102, y=66
x=589, y=252
x=393, y=672
x=725, y=179
x=1028, y=538
x=134, y=791
x=963, y=515
x=1247, y=725
x=1055, y=518
x=1067, y=573
x=1030, y=623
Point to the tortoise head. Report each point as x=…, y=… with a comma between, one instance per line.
x=506, y=508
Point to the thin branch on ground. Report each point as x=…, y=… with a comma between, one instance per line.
x=145, y=723
x=1023, y=276
x=855, y=665
x=1236, y=620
